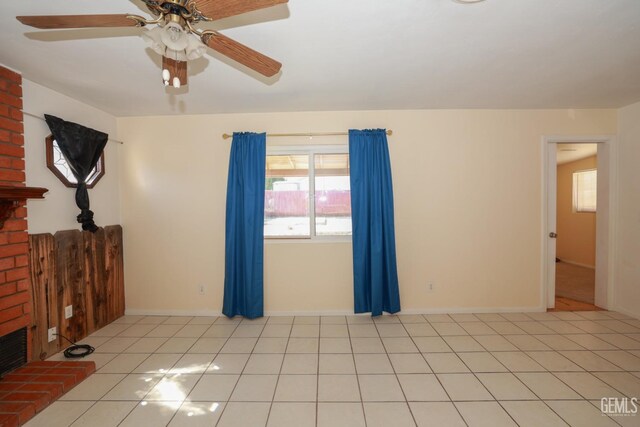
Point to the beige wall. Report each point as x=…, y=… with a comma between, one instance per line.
x=576, y=241
x=467, y=200
x=627, y=287
x=58, y=210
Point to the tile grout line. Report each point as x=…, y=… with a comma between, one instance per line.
x=318, y=374
x=355, y=367
x=275, y=390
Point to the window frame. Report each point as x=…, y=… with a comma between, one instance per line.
x=574, y=192
x=311, y=150
x=52, y=167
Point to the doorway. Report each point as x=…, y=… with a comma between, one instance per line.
x=577, y=222
x=576, y=214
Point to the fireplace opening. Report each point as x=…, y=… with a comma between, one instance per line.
x=13, y=351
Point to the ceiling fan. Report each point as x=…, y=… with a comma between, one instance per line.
x=175, y=35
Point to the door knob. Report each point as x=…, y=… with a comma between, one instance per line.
x=553, y=235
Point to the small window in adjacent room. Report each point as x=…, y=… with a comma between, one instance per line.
x=585, y=184
x=307, y=193
x=60, y=168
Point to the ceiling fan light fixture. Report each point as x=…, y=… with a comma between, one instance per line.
x=188, y=48
x=195, y=48
x=174, y=37
x=153, y=39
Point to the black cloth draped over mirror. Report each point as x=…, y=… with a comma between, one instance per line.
x=81, y=148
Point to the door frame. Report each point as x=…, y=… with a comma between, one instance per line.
x=605, y=228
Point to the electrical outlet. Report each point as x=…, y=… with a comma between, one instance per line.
x=52, y=334
x=201, y=289
x=430, y=287
x=68, y=311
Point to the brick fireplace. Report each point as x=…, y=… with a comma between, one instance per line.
x=15, y=300
x=27, y=390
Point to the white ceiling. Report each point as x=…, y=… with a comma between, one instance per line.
x=571, y=152
x=351, y=55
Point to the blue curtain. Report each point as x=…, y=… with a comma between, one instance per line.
x=375, y=275
x=244, y=235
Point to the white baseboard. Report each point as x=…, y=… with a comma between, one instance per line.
x=457, y=310
x=592, y=267
x=150, y=312
x=312, y=313
x=635, y=315
x=464, y=310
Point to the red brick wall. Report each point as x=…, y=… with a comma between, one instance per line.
x=15, y=299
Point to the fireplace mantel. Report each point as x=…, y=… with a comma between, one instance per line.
x=10, y=198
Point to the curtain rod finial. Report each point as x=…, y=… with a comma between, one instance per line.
x=226, y=136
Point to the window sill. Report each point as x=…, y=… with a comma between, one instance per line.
x=305, y=241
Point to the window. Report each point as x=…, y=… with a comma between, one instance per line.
x=60, y=168
x=585, y=185
x=307, y=193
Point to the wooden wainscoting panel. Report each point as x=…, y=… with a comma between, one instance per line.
x=69, y=265
x=81, y=269
x=95, y=279
x=44, y=291
x=114, y=267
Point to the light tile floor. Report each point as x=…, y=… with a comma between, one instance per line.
x=433, y=370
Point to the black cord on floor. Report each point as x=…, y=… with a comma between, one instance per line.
x=76, y=351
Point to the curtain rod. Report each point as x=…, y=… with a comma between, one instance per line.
x=35, y=116
x=309, y=134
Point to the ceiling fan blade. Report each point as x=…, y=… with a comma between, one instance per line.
x=218, y=9
x=50, y=22
x=240, y=53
